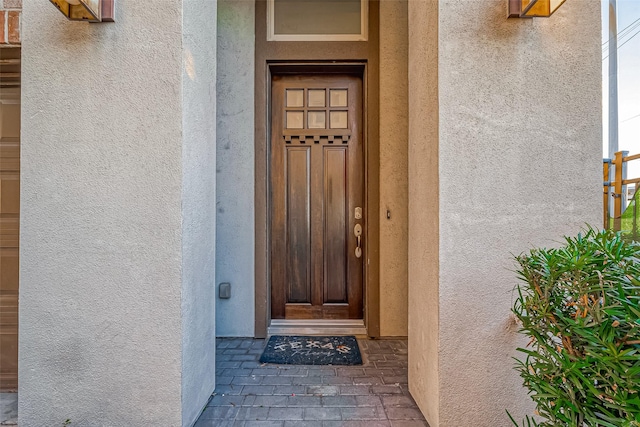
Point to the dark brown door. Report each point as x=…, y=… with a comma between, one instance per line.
x=317, y=197
x=9, y=215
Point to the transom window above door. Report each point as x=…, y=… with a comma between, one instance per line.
x=317, y=20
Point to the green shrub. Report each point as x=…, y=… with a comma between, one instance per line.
x=579, y=305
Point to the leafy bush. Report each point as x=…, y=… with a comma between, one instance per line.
x=579, y=304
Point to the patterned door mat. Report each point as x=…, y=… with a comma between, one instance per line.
x=301, y=350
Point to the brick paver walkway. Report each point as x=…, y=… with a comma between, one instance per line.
x=252, y=394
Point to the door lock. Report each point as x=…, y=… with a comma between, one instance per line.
x=357, y=231
x=358, y=213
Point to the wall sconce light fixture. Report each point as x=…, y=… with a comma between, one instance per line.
x=86, y=10
x=533, y=8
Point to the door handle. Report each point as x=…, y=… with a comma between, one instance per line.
x=357, y=231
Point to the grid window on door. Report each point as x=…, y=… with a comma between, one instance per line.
x=295, y=120
x=295, y=98
x=317, y=97
x=316, y=109
x=338, y=120
x=338, y=98
x=316, y=119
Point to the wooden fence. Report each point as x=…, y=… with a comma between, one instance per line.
x=615, y=183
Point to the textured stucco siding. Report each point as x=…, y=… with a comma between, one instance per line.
x=423, y=208
x=393, y=167
x=235, y=236
x=198, y=206
x=519, y=166
x=103, y=322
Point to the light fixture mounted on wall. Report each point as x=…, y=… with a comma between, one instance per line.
x=533, y=8
x=87, y=10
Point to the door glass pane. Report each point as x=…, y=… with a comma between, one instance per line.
x=316, y=97
x=338, y=119
x=317, y=17
x=316, y=120
x=338, y=98
x=295, y=98
x=295, y=120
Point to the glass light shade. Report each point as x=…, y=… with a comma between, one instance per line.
x=80, y=10
x=539, y=8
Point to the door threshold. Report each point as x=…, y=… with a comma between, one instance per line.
x=317, y=327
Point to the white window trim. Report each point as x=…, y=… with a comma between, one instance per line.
x=363, y=36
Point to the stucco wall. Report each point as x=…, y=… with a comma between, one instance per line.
x=198, y=206
x=519, y=166
x=235, y=236
x=423, y=238
x=102, y=269
x=393, y=167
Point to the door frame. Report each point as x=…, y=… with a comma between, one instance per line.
x=276, y=56
x=354, y=71
x=361, y=70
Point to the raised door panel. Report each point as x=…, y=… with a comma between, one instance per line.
x=335, y=225
x=298, y=256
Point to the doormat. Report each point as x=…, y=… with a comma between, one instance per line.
x=301, y=350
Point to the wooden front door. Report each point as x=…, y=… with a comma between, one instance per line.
x=317, y=197
x=9, y=215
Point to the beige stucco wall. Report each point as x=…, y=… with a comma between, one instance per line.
x=519, y=129
x=393, y=167
x=198, y=205
x=423, y=239
x=235, y=171
x=114, y=315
